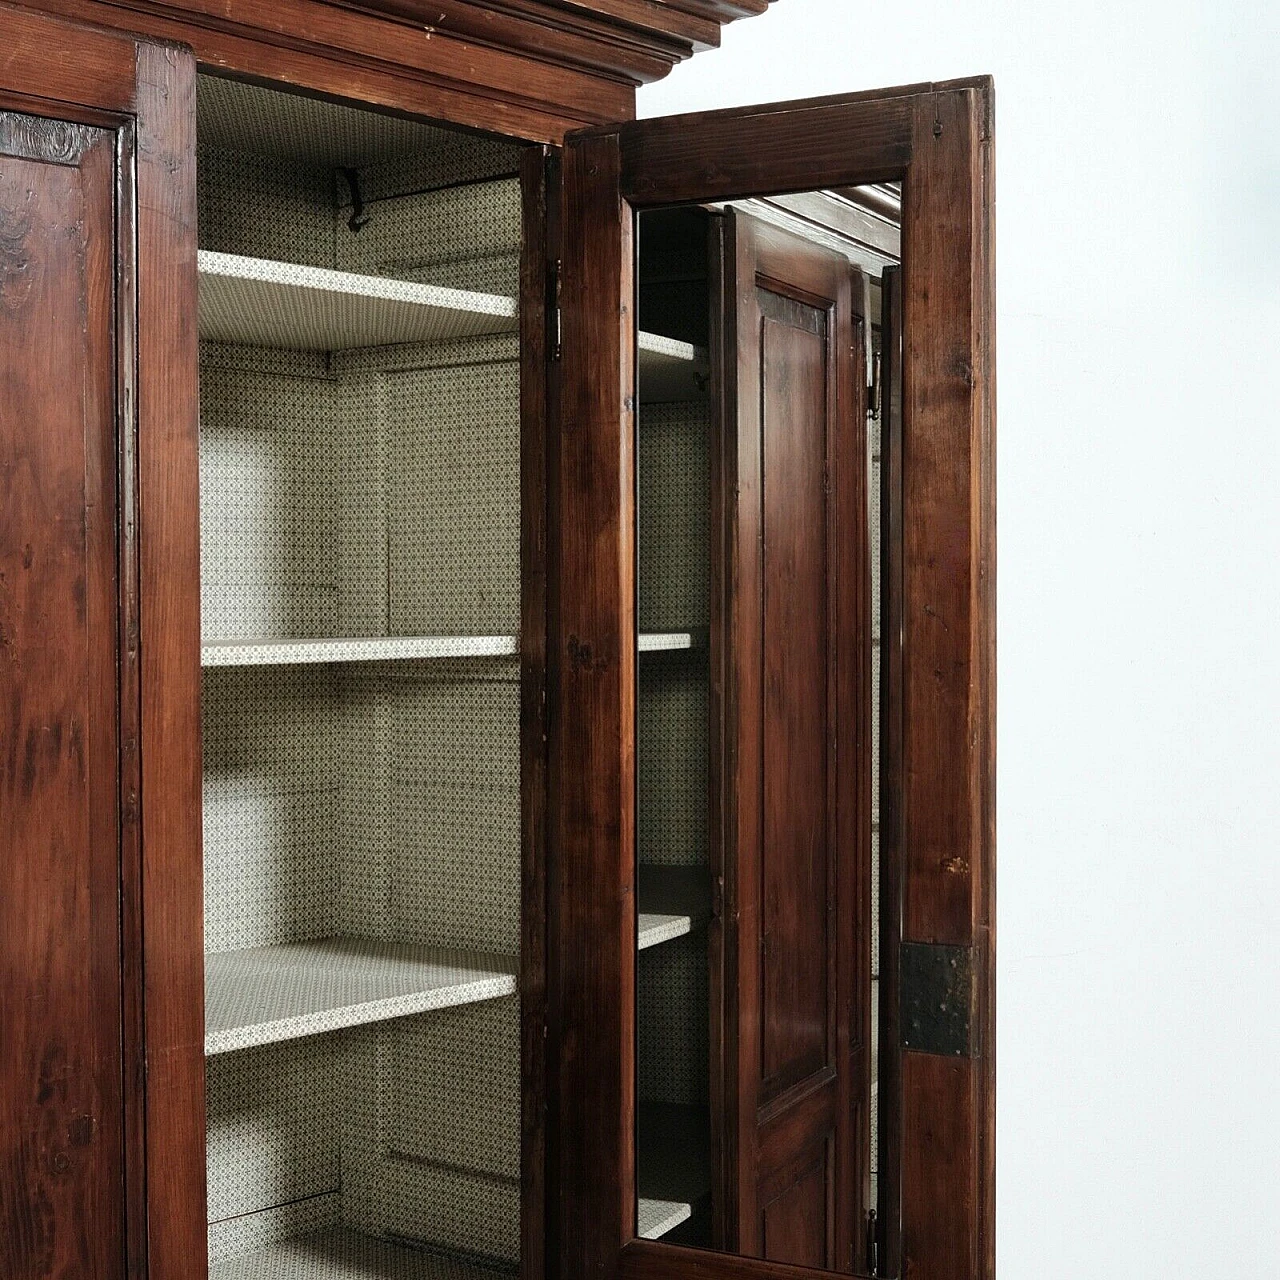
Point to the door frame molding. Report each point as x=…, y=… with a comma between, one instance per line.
x=937, y=140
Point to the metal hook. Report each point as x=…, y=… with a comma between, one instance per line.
x=359, y=218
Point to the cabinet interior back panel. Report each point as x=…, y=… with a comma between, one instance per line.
x=672, y=741
x=369, y=492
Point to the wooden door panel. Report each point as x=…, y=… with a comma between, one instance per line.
x=101, y=1024
x=794, y=948
x=796, y=1221
x=61, y=1105
x=794, y=851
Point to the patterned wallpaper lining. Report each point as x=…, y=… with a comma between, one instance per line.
x=363, y=493
x=672, y=985
x=672, y=747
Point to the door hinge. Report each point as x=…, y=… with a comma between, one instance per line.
x=873, y=1244
x=875, y=386
x=557, y=314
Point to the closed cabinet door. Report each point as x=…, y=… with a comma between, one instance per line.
x=774, y=855
x=60, y=1056
x=72, y=1097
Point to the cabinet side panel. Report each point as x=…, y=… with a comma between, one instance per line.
x=61, y=1206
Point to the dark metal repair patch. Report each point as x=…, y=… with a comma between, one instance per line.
x=937, y=999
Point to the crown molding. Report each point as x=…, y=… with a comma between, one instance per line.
x=633, y=41
x=531, y=69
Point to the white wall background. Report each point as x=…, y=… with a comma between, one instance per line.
x=1138, y=247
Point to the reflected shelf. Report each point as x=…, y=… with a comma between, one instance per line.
x=673, y=1160
x=670, y=641
x=338, y=1253
x=673, y=902
x=266, y=994
x=657, y=1217
x=670, y=370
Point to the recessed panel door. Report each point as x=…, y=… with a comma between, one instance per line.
x=796, y=750
x=61, y=1204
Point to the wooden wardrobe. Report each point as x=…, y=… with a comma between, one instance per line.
x=496, y=654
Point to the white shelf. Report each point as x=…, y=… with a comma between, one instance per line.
x=269, y=653
x=266, y=994
x=281, y=653
x=673, y=902
x=673, y=1166
x=668, y=641
x=657, y=1217
x=263, y=303
x=282, y=304
x=341, y=1254
x=670, y=369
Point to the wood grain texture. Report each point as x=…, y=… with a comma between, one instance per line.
x=133, y=1036
x=721, y=714
x=985, y=726
x=528, y=68
x=892, y=728
x=61, y=1105
x=172, y=908
x=948, y=666
x=940, y=412
x=592, y=685
x=764, y=150
x=101, y=71
x=368, y=59
x=796, y=861
x=941, y=1193
x=539, y=187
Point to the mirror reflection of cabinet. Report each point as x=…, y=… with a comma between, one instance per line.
x=756, y=751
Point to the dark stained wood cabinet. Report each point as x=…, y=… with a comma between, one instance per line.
x=128, y=739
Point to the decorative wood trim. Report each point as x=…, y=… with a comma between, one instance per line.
x=526, y=68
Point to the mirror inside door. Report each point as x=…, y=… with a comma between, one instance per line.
x=767, y=330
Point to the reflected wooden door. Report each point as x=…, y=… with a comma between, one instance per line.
x=793, y=845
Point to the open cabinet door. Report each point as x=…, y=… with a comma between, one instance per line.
x=793, y=845
x=101, y=1022
x=785, y=306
